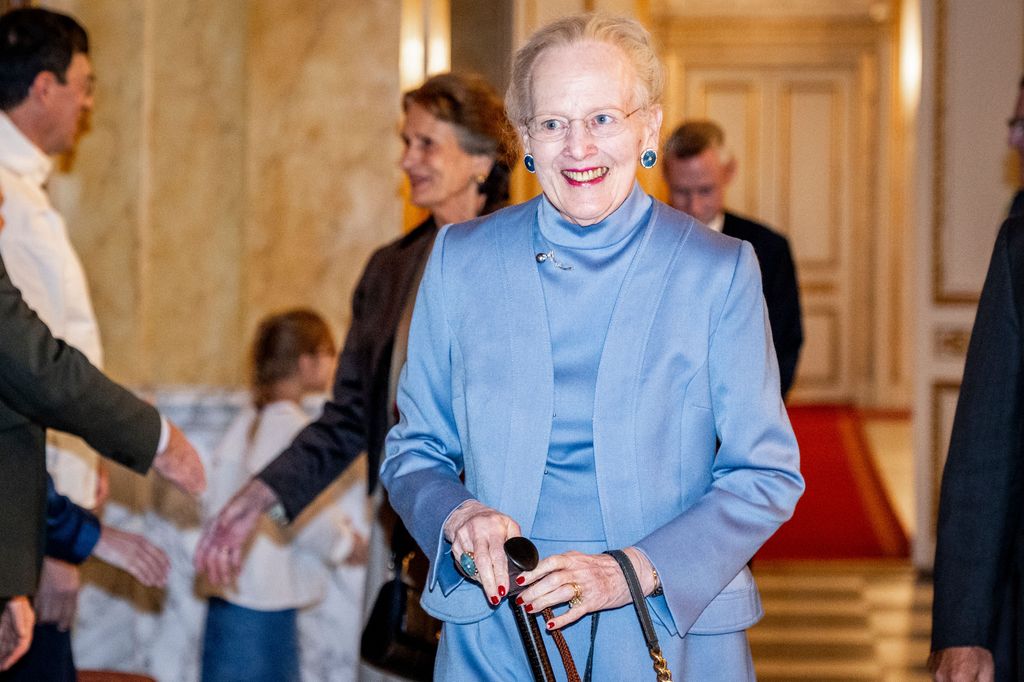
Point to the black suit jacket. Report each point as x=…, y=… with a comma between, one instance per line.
x=356, y=418
x=979, y=542
x=778, y=276
x=45, y=383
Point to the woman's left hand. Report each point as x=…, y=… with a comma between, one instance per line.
x=595, y=578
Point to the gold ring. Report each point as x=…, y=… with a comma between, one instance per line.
x=577, y=595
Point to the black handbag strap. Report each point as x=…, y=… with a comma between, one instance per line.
x=646, y=624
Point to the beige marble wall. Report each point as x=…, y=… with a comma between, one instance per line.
x=242, y=159
x=322, y=150
x=101, y=195
x=193, y=156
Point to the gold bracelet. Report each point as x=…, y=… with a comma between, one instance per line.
x=658, y=591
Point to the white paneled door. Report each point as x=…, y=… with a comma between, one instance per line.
x=794, y=131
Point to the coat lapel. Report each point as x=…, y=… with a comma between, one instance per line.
x=532, y=396
x=615, y=411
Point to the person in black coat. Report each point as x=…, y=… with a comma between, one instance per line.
x=979, y=553
x=698, y=169
x=45, y=383
x=457, y=159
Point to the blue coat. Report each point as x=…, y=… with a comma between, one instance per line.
x=688, y=361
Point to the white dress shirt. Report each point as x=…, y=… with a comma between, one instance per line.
x=43, y=264
x=717, y=223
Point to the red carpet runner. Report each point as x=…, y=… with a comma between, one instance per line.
x=844, y=513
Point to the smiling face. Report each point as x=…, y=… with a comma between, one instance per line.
x=442, y=177
x=584, y=176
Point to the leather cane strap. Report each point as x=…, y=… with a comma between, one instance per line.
x=563, y=649
x=646, y=624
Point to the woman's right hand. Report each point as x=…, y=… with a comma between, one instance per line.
x=219, y=552
x=476, y=529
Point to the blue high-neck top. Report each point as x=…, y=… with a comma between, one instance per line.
x=579, y=308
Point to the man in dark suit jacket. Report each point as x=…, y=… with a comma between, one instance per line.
x=44, y=383
x=979, y=551
x=698, y=169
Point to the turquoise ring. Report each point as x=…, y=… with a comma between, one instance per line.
x=467, y=564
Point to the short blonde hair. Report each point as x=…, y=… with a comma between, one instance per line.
x=626, y=34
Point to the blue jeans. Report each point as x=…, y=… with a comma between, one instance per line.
x=245, y=644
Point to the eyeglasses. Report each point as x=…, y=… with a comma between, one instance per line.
x=601, y=123
x=1016, y=124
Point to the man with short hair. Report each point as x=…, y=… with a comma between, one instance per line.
x=698, y=169
x=45, y=98
x=978, y=609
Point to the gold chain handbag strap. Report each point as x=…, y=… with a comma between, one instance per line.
x=646, y=624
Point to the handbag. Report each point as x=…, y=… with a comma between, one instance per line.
x=661, y=671
x=400, y=637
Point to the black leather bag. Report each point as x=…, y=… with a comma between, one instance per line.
x=400, y=637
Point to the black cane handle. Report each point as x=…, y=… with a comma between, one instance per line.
x=522, y=556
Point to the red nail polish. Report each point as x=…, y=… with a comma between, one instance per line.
x=529, y=608
x=494, y=600
x=520, y=580
x=551, y=625
x=501, y=590
x=519, y=600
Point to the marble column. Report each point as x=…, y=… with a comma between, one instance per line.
x=242, y=159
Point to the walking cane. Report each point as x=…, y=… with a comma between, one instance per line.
x=522, y=556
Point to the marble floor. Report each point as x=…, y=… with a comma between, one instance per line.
x=851, y=620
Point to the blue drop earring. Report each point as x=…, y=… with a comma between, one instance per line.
x=649, y=158
x=529, y=163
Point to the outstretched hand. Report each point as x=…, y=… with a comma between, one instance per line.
x=179, y=463
x=219, y=553
x=133, y=553
x=476, y=529
x=16, y=623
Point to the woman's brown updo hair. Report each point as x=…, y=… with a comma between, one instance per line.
x=474, y=108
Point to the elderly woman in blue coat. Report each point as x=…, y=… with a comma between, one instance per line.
x=592, y=370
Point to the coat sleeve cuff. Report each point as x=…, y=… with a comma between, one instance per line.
x=445, y=573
